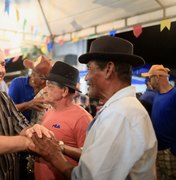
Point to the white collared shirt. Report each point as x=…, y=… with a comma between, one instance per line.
x=121, y=144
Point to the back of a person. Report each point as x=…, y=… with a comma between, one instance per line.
x=69, y=126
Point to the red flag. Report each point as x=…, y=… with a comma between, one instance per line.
x=7, y=52
x=15, y=59
x=137, y=30
x=61, y=41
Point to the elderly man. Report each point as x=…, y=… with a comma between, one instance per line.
x=23, y=89
x=163, y=118
x=120, y=142
x=67, y=120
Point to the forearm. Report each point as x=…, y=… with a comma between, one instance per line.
x=11, y=144
x=62, y=165
x=23, y=106
x=72, y=152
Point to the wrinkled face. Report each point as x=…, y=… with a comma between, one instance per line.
x=2, y=68
x=53, y=93
x=37, y=78
x=95, y=79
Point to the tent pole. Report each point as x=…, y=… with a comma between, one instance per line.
x=46, y=21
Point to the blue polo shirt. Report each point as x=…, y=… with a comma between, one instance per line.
x=20, y=91
x=164, y=120
x=148, y=96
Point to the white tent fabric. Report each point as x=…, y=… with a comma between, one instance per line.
x=29, y=22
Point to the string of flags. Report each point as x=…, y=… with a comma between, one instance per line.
x=48, y=40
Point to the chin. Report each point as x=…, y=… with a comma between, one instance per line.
x=92, y=94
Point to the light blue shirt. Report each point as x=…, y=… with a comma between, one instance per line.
x=121, y=144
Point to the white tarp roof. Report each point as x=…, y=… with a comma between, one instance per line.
x=29, y=22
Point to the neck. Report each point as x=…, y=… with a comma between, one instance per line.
x=63, y=104
x=166, y=88
x=112, y=89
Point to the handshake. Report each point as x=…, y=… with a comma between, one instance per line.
x=36, y=139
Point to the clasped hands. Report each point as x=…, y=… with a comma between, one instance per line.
x=41, y=141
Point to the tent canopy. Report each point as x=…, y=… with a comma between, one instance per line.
x=25, y=23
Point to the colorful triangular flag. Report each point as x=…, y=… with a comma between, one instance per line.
x=165, y=23
x=137, y=30
x=112, y=33
x=17, y=15
x=7, y=6
x=24, y=24
x=15, y=59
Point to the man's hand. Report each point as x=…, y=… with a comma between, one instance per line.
x=46, y=147
x=49, y=149
x=39, y=130
x=37, y=104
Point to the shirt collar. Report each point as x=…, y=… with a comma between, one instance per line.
x=127, y=91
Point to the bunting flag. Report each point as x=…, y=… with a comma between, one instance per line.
x=61, y=41
x=8, y=60
x=32, y=29
x=7, y=6
x=15, y=59
x=165, y=24
x=47, y=39
x=35, y=33
x=43, y=49
x=75, y=39
x=50, y=46
x=92, y=36
x=112, y=33
x=43, y=37
x=7, y=52
x=137, y=30
x=24, y=24
x=24, y=52
x=17, y=15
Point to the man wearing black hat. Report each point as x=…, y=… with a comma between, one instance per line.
x=120, y=142
x=67, y=120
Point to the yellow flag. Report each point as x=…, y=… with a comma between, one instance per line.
x=165, y=23
x=17, y=15
x=75, y=39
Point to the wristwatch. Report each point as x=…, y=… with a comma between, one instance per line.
x=61, y=144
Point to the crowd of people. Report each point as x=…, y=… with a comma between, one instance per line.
x=126, y=137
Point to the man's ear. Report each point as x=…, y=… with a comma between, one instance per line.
x=109, y=69
x=28, y=64
x=66, y=90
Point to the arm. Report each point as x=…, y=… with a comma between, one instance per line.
x=50, y=150
x=34, y=104
x=11, y=144
x=72, y=152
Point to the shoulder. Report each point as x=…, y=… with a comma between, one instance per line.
x=20, y=79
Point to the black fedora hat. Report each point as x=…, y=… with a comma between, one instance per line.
x=112, y=48
x=64, y=74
